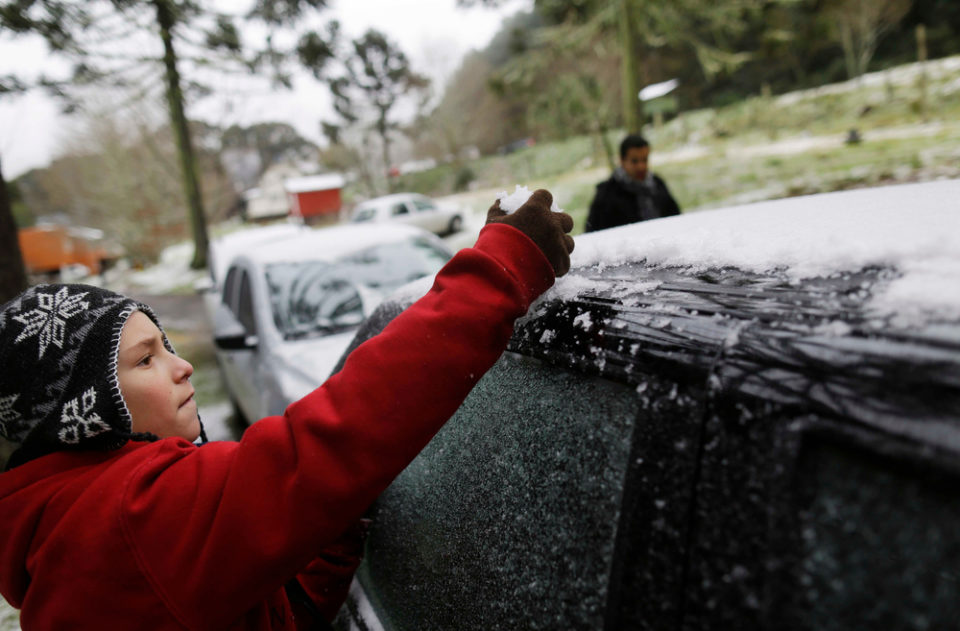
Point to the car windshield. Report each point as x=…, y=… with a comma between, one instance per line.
x=312, y=298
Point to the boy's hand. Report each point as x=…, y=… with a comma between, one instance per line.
x=546, y=228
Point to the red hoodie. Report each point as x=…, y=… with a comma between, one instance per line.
x=167, y=535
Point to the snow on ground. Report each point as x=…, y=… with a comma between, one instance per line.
x=914, y=228
x=171, y=271
x=9, y=617
x=906, y=74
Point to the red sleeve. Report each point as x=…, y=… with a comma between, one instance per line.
x=326, y=580
x=217, y=529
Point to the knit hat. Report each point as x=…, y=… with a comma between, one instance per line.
x=58, y=370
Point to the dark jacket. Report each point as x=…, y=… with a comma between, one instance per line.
x=616, y=205
x=166, y=535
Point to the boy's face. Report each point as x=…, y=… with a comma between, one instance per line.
x=155, y=383
x=635, y=162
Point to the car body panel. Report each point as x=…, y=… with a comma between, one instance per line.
x=696, y=446
x=561, y=525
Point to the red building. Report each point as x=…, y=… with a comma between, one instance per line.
x=315, y=196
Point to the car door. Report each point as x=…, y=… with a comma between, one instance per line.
x=844, y=498
x=239, y=366
x=508, y=519
x=553, y=499
x=403, y=212
x=225, y=357
x=429, y=215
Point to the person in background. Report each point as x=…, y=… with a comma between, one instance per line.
x=113, y=518
x=633, y=193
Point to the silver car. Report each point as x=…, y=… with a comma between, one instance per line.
x=289, y=308
x=411, y=209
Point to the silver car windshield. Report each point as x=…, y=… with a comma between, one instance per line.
x=312, y=298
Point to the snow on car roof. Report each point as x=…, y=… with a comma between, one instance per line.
x=912, y=228
x=224, y=249
x=327, y=244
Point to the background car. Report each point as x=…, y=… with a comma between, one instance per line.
x=411, y=209
x=290, y=306
x=746, y=418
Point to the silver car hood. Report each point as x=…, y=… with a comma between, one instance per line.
x=303, y=365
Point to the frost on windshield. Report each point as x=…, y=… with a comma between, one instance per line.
x=317, y=298
x=309, y=299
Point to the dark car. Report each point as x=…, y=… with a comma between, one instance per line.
x=737, y=419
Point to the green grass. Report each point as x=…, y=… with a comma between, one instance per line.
x=726, y=178
x=718, y=180
x=877, y=107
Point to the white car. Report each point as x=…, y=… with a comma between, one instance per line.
x=290, y=307
x=411, y=209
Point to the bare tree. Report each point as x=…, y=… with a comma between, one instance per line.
x=861, y=24
x=376, y=76
x=90, y=33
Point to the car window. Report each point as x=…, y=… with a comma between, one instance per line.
x=305, y=296
x=388, y=266
x=319, y=303
x=399, y=209
x=230, y=289
x=364, y=214
x=424, y=204
x=508, y=518
x=873, y=524
x=245, y=304
x=828, y=520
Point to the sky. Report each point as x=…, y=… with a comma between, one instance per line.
x=434, y=34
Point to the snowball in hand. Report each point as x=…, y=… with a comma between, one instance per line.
x=513, y=201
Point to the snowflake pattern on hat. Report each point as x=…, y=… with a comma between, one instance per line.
x=9, y=425
x=79, y=420
x=59, y=349
x=48, y=321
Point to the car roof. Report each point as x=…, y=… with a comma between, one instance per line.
x=913, y=229
x=328, y=244
x=227, y=247
x=781, y=299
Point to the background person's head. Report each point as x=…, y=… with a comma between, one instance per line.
x=83, y=368
x=635, y=156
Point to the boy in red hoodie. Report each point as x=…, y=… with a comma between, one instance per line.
x=114, y=519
